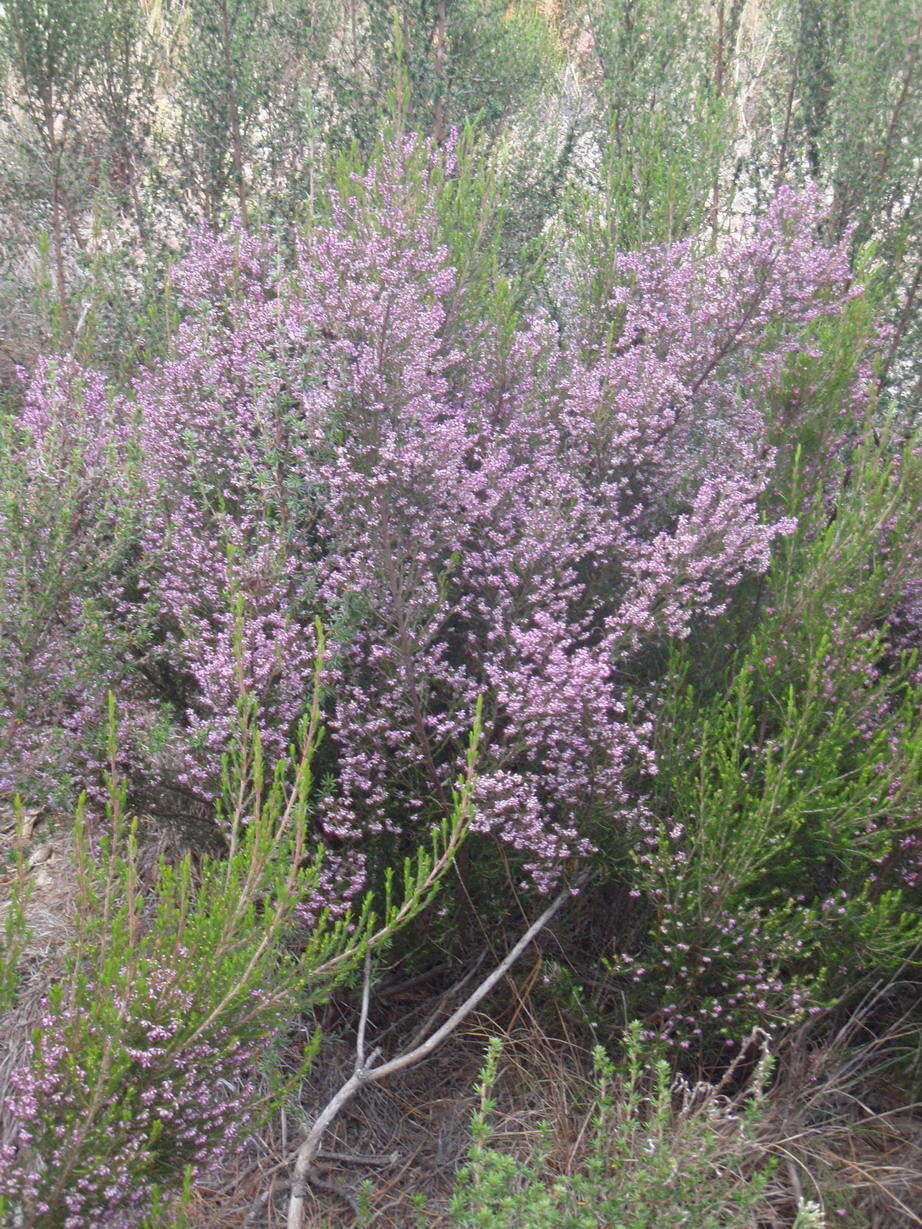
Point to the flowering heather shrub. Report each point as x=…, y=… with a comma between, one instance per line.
x=779, y=869
x=62, y=533
x=162, y=1107
x=226, y=535
x=516, y=519
x=155, y=1051
x=513, y=514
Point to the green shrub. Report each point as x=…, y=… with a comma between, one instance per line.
x=778, y=868
x=161, y=1044
x=655, y=1153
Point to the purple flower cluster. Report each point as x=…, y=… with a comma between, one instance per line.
x=714, y=965
x=469, y=514
x=105, y=1110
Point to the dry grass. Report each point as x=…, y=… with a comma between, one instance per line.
x=418, y=1123
x=842, y=1114
x=825, y=1121
x=47, y=854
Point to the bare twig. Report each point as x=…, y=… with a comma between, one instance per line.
x=444, y=1000
x=367, y=1072
x=363, y=1018
x=384, y=1159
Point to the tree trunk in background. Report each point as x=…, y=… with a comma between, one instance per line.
x=438, y=113
x=233, y=114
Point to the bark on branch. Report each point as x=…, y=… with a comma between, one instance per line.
x=369, y=1071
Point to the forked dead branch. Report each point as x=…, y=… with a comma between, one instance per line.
x=369, y=1070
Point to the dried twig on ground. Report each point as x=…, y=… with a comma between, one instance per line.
x=367, y=1070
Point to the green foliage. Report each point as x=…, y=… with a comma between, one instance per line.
x=860, y=104
x=653, y=1154
x=189, y=981
x=786, y=793
x=851, y=117
x=121, y=97
x=650, y=169
x=221, y=86
x=51, y=47
x=439, y=63
x=13, y=870
x=665, y=128
x=828, y=395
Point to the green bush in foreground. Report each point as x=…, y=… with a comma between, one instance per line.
x=655, y=1152
x=158, y=1049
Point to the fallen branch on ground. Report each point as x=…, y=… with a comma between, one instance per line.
x=369, y=1071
